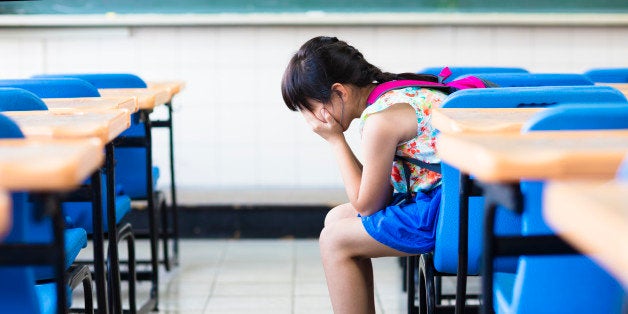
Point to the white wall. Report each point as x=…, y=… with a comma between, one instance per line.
x=234, y=137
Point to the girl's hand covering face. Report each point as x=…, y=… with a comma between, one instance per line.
x=328, y=128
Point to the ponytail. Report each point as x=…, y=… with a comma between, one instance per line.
x=323, y=61
x=383, y=77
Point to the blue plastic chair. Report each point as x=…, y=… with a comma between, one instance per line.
x=535, y=79
x=444, y=258
x=608, y=75
x=457, y=71
x=570, y=283
x=19, y=290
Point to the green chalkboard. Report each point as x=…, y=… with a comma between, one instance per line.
x=296, y=6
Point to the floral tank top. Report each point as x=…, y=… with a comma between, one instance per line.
x=423, y=146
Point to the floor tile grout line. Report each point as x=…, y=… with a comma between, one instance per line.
x=220, y=264
x=293, y=277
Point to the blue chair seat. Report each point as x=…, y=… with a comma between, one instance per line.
x=20, y=294
x=79, y=214
x=131, y=165
x=75, y=240
x=47, y=296
x=504, y=284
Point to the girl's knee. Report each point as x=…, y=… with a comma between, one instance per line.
x=330, y=241
x=339, y=212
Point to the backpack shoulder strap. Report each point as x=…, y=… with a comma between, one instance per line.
x=425, y=165
x=388, y=86
x=448, y=88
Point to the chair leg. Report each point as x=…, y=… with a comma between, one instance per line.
x=410, y=285
x=438, y=288
x=427, y=292
x=82, y=275
x=403, y=263
x=126, y=233
x=173, y=192
x=170, y=261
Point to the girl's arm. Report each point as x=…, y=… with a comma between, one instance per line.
x=368, y=187
x=381, y=134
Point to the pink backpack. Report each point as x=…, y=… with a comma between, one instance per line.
x=450, y=87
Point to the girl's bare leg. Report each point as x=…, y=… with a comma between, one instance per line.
x=346, y=251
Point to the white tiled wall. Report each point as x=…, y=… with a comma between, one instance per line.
x=233, y=133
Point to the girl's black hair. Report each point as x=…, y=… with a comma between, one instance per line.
x=323, y=61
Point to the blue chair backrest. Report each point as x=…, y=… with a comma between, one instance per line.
x=103, y=80
x=17, y=99
x=567, y=117
x=608, y=75
x=459, y=71
x=9, y=129
x=54, y=87
x=535, y=79
x=580, y=117
x=520, y=97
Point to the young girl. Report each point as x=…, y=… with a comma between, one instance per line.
x=331, y=84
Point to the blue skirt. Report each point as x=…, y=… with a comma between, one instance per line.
x=409, y=227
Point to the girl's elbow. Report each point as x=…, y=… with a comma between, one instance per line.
x=364, y=209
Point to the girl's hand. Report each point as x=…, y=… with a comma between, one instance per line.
x=329, y=129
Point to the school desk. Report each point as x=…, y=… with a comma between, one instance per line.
x=172, y=87
x=64, y=164
x=147, y=99
x=469, y=120
x=509, y=157
x=593, y=216
x=501, y=160
x=105, y=125
x=91, y=103
x=48, y=167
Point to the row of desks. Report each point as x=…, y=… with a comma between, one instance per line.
x=583, y=201
x=65, y=144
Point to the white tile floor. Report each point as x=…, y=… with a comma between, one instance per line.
x=259, y=276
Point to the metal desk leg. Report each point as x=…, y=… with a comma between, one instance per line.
x=112, y=233
x=99, y=243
